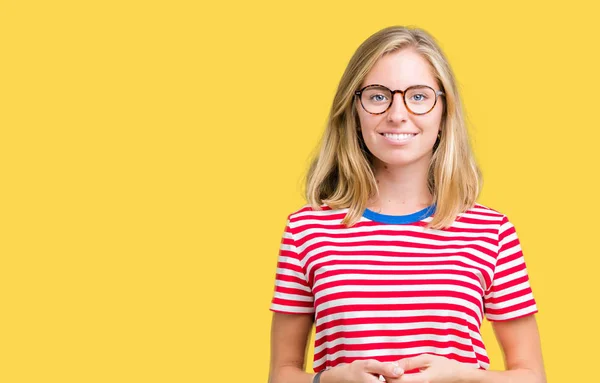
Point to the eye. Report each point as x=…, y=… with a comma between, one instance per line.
x=378, y=97
x=418, y=97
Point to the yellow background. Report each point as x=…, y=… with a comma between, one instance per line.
x=151, y=151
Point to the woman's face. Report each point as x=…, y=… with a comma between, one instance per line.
x=397, y=137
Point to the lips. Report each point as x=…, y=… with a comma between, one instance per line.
x=398, y=137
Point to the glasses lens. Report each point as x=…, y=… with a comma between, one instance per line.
x=420, y=99
x=376, y=99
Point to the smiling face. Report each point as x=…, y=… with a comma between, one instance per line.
x=397, y=137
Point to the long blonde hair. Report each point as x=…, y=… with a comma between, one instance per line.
x=342, y=176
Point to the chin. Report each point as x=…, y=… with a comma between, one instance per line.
x=403, y=160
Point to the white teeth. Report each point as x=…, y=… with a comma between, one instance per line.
x=399, y=137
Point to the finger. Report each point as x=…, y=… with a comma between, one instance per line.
x=373, y=379
x=383, y=368
x=419, y=361
x=419, y=377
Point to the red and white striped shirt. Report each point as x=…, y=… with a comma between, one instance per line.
x=388, y=288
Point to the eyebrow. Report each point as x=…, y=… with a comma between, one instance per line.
x=434, y=87
x=419, y=84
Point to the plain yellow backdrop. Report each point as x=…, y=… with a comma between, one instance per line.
x=151, y=151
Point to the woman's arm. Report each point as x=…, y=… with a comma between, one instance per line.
x=519, y=340
x=289, y=339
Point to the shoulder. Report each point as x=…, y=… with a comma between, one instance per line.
x=309, y=214
x=490, y=219
x=479, y=212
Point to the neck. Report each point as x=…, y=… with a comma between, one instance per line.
x=402, y=189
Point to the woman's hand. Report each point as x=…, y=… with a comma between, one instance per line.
x=362, y=371
x=433, y=369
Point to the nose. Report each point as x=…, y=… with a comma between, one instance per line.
x=397, y=111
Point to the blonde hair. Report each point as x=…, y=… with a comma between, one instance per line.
x=341, y=175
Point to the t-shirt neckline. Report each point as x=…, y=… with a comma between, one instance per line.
x=400, y=219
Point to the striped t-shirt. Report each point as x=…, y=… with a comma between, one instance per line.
x=388, y=288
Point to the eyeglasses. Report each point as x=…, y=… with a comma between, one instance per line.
x=418, y=99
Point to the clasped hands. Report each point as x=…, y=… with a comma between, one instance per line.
x=432, y=369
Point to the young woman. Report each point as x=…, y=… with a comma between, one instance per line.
x=392, y=259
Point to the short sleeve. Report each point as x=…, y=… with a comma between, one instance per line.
x=510, y=295
x=293, y=294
